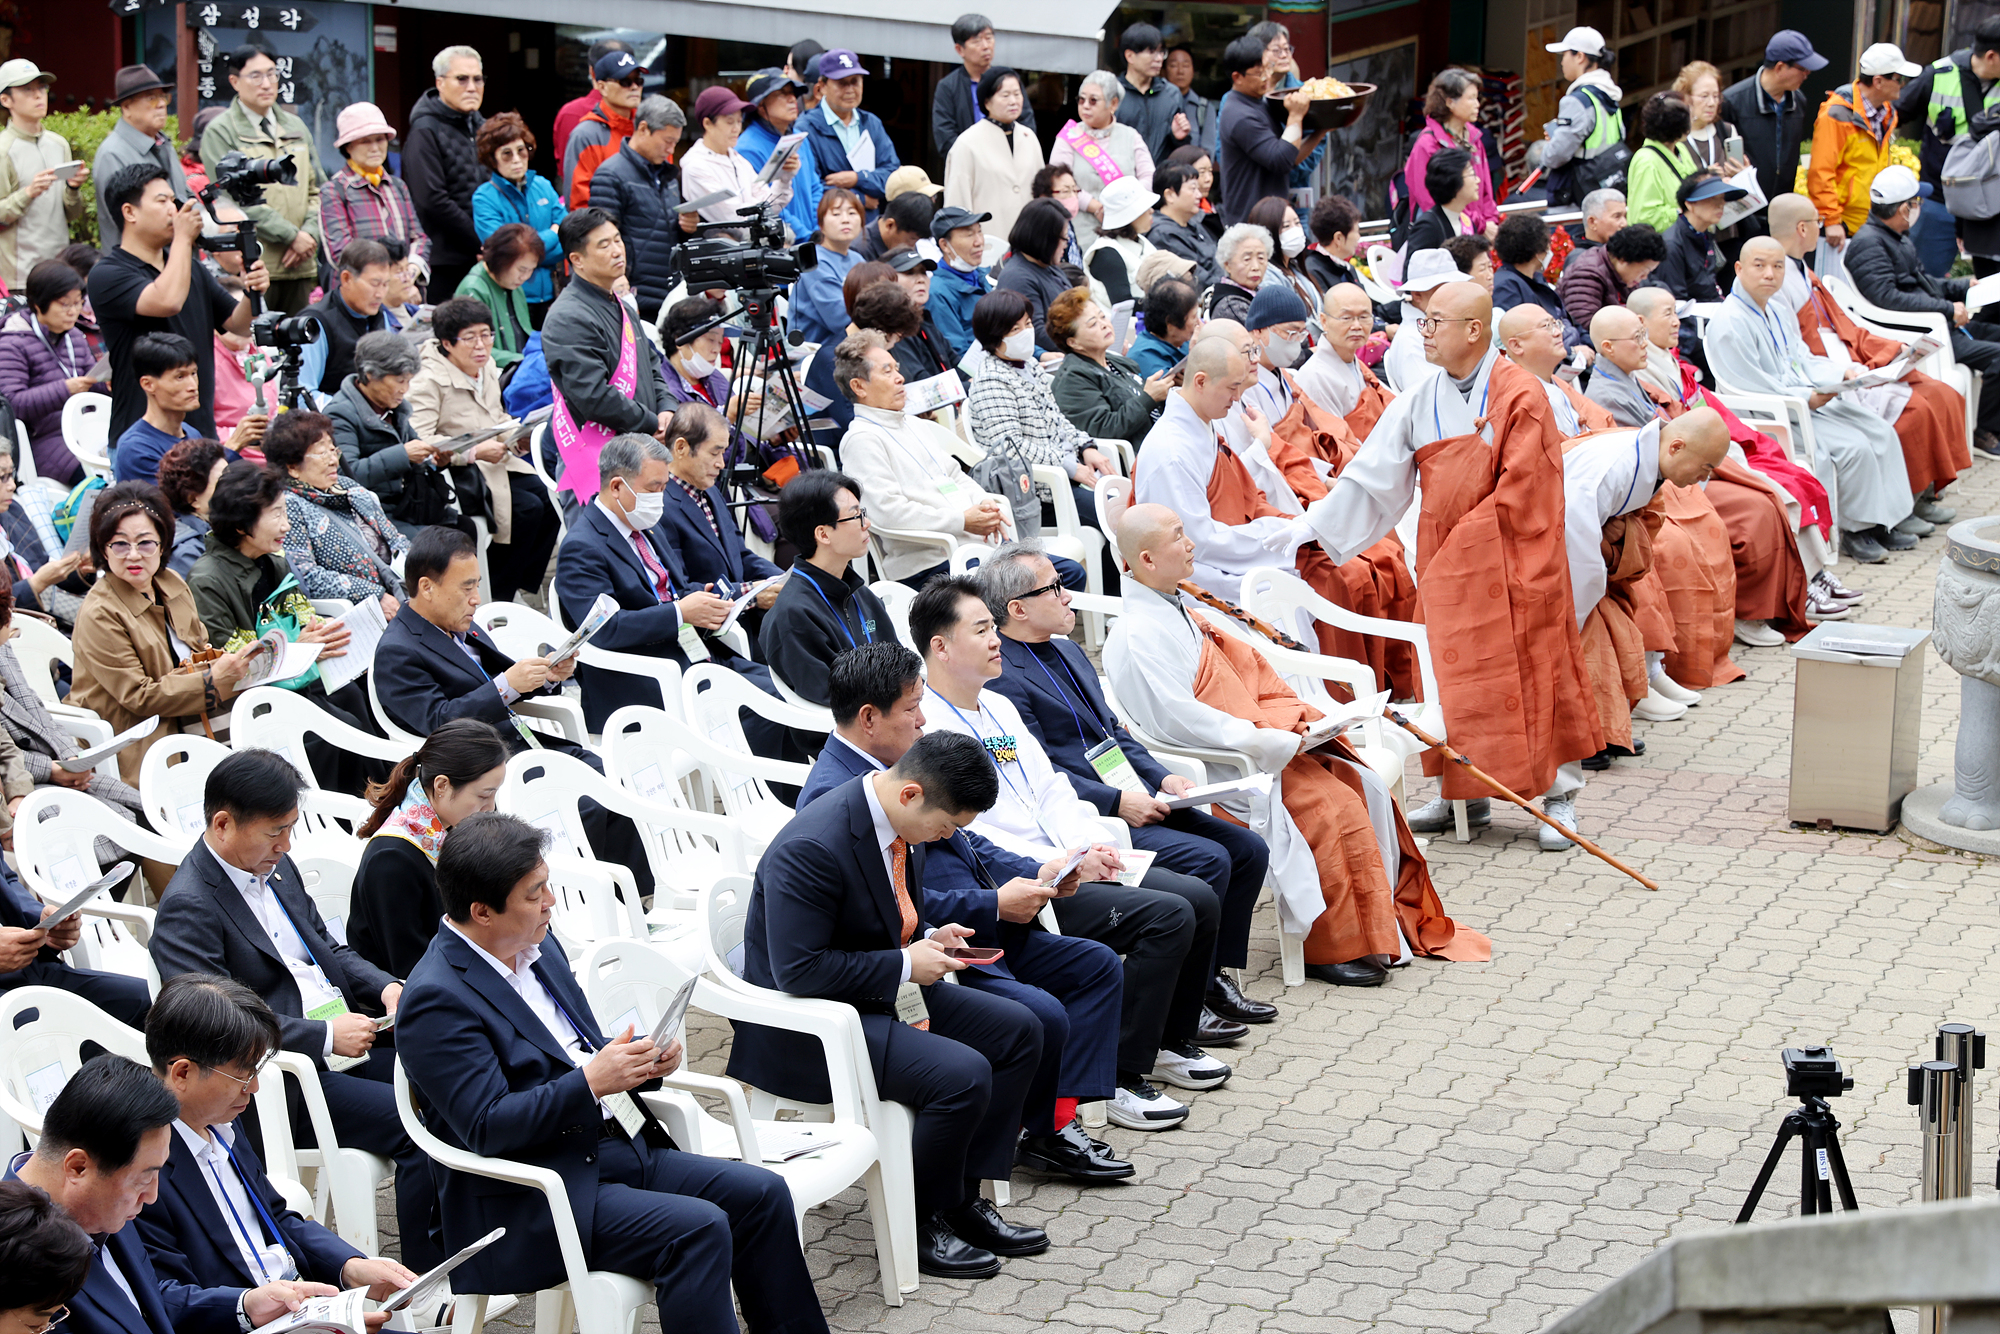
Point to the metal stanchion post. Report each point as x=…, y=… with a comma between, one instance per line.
x=1934, y=1092
x=1965, y=1047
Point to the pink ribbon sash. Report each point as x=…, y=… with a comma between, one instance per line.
x=578, y=444
x=1080, y=143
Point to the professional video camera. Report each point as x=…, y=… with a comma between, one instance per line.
x=759, y=263
x=243, y=179
x=290, y=336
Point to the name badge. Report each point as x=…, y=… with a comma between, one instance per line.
x=910, y=1007
x=1108, y=759
x=625, y=1111
x=1003, y=748
x=953, y=492
x=527, y=732
x=690, y=639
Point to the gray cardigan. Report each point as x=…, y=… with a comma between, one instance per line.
x=126, y=147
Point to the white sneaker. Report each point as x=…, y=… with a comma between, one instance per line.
x=1830, y=586
x=1757, y=634
x=1657, y=708
x=1140, y=1106
x=1563, y=811
x=1822, y=606
x=1669, y=689
x=1187, y=1066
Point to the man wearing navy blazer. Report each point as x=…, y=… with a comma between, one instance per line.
x=1047, y=678
x=834, y=914
x=614, y=545
x=1075, y=986
x=509, y=1062
x=31, y=955
x=698, y=523
x=237, y=907
x=218, y=1221
x=103, y=1147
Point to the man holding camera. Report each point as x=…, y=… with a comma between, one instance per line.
x=152, y=283
x=288, y=216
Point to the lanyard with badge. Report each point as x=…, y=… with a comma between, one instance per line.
x=275, y=1259
x=867, y=631
x=1107, y=757
x=622, y=1107
x=327, y=1010
x=527, y=732
x=1005, y=750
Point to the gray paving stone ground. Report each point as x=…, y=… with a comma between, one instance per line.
x=1479, y=1147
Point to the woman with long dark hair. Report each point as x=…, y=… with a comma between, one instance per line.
x=395, y=907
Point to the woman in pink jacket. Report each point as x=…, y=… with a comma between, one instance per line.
x=1450, y=109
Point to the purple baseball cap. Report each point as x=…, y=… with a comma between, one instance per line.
x=839, y=64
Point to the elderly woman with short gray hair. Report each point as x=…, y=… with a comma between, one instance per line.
x=1097, y=149
x=1243, y=254
x=379, y=448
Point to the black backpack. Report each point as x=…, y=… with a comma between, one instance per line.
x=1570, y=182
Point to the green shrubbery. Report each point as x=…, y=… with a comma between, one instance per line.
x=85, y=130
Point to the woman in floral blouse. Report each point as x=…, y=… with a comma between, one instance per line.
x=340, y=542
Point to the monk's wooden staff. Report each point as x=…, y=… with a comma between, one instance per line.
x=1283, y=640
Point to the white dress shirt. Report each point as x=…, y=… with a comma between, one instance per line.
x=267, y=1258
x=885, y=834
x=315, y=988
x=1038, y=813
x=521, y=977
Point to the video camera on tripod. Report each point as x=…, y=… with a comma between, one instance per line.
x=243, y=179
x=760, y=262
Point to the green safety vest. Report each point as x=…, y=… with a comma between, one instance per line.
x=1948, y=94
x=1604, y=130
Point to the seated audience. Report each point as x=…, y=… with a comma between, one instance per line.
x=1405, y=364
x=218, y=1222
x=45, y=361
x=817, y=310
x=922, y=353
x=1473, y=254
x=32, y=945
x=711, y=162
x=1335, y=224
x=1035, y=264
x=1059, y=184
x=815, y=928
x=379, y=448
x=141, y=650
x=338, y=542
x=1604, y=216
x=826, y=607
x=503, y=1049
x=700, y=526
x=1010, y=407
x=1172, y=314
x=457, y=392
x=906, y=218
x=961, y=280
x=1663, y=162
x=692, y=330
x=1243, y=254
x=1521, y=257
x=1288, y=241
x=1276, y=323
x=166, y=369
x=1099, y=393
x=1074, y=985
x=1112, y=260
x=44, y=1256
x=351, y=309
x=883, y=312
x=1334, y=376
x=188, y=473
x=1689, y=270
x=1605, y=275
x=237, y=907
x=1180, y=225
x=51, y=586
x=514, y=194
x=395, y=907
x=511, y=259
x=105, y=1142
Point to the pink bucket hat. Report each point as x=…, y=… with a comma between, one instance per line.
x=359, y=121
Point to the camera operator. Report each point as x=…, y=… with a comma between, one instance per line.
x=287, y=216
x=151, y=284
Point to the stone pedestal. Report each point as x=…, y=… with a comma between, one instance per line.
x=1965, y=813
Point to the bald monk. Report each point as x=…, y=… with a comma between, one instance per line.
x=1609, y=481
x=1334, y=375
x=1928, y=414
x=1492, y=576
x=1774, y=546
x=1348, y=873
x=1533, y=340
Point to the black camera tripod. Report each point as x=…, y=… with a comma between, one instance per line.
x=1822, y=1168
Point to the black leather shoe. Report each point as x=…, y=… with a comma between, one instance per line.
x=1359, y=973
x=942, y=1253
x=1226, y=1000
x=1597, y=763
x=1069, y=1152
x=1638, y=748
x=979, y=1223
x=1215, y=1031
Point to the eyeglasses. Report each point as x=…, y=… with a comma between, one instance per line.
x=61, y=1314
x=145, y=546
x=6, y=479
x=262, y=1066
x=516, y=149
x=468, y=80
x=1056, y=588
x=476, y=336
x=860, y=514
x=1429, y=323
x=258, y=76
x=1363, y=317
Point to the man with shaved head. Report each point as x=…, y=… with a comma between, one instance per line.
x=1754, y=346
x=1334, y=376
x=1492, y=577
x=1533, y=339
x=1347, y=872
x=1619, y=335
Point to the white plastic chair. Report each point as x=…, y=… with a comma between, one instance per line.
x=644, y=751
x=849, y=1072
x=896, y=600
x=55, y=836
x=171, y=782
x=86, y=428
x=627, y=982
x=329, y=872
x=1070, y=530
x=1789, y=422
x=1899, y=324
x=38, y=1055
x=1114, y=497
x=553, y=715
x=24, y=465
x=710, y=698
x=521, y=631
x=38, y=647
x=281, y=720
x=594, y=1300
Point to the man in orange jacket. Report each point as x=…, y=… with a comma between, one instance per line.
x=1851, y=140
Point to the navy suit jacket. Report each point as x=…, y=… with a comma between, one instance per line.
x=20, y=909
x=1064, y=727
x=190, y=1240
x=204, y=926
x=424, y=679
x=492, y=1079
x=707, y=557
x=823, y=923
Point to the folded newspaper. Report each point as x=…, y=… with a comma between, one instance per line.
x=275, y=658
x=600, y=611
x=1904, y=363
x=459, y=448
x=84, y=761
x=1256, y=785
x=936, y=392
x=117, y=875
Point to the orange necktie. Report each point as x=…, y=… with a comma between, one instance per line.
x=899, y=879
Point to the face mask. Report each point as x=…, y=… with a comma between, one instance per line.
x=700, y=367
x=1019, y=345
x=1292, y=240
x=1284, y=351
x=648, y=509
x=1072, y=203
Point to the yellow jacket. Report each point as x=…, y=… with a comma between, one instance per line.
x=1846, y=154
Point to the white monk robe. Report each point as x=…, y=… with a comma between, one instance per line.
x=1404, y=361
x=1761, y=352
x=1612, y=473
x=1329, y=381
x=1272, y=397
x=1175, y=464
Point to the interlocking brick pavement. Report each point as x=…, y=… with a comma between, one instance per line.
x=1481, y=1146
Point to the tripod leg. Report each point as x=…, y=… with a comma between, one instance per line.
x=1785, y=1132
x=1839, y=1164
x=1809, y=1184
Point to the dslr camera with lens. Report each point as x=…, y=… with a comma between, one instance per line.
x=759, y=263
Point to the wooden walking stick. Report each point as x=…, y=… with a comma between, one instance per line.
x=1283, y=640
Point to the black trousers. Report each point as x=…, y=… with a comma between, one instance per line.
x=690, y=1224
x=1978, y=345
x=1165, y=927
x=123, y=998
x=1074, y=986
x=1229, y=858
x=521, y=562
x=362, y=1102
x=965, y=1079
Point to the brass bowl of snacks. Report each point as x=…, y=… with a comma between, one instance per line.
x=1335, y=105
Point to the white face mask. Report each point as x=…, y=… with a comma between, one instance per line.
x=1019, y=345
x=1292, y=240
x=1284, y=351
x=648, y=508
x=700, y=367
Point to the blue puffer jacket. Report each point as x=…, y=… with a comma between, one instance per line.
x=643, y=199
x=953, y=295
x=535, y=202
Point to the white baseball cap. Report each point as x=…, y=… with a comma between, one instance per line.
x=1896, y=185
x=1887, y=58
x=1428, y=269
x=1583, y=41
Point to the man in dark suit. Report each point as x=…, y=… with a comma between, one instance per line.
x=502, y=1047
x=103, y=1146
x=698, y=523
x=238, y=907
x=826, y=607
x=1073, y=985
x=614, y=545
x=1054, y=687
x=31, y=956
x=218, y=1221
x=833, y=915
